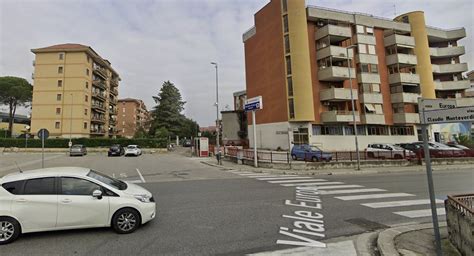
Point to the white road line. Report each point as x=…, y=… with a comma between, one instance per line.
x=312, y=184
x=283, y=178
x=350, y=191
x=345, y=248
x=339, y=186
x=269, y=176
x=290, y=181
x=141, y=176
x=372, y=196
x=135, y=181
x=256, y=174
x=400, y=203
x=420, y=213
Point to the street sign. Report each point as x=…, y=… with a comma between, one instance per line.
x=255, y=103
x=69, y=144
x=436, y=111
x=435, y=104
x=43, y=133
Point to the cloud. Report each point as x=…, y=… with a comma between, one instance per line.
x=149, y=42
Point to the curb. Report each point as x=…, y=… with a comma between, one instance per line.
x=386, y=239
x=365, y=243
x=218, y=166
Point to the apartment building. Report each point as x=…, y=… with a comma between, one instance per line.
x=299, y=59
x=75, y=92
x=132, y=115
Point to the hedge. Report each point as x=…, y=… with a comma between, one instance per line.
x=88, y=142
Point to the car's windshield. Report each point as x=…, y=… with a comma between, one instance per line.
x=132, y=147
x=77, y=146
x=315, y=148
x=118, y=184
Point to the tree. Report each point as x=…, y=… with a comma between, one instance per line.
x=167, y=112
x=14, y=92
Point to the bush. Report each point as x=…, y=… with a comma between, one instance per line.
x=88, y=142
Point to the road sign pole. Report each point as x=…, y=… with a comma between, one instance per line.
x=254, y=124
x=429, y=175
x=42, y=148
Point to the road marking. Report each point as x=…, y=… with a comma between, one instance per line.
x=123, y=175
x=141, y=176
x=290, y=181
x=339, y=186
x=282, y=178
x=350, y=191
x=135, y=181
x=268, y=175
x=372, y=196
x=313, y=184
x=421, y=213
x=345, y=248
x=400, y=203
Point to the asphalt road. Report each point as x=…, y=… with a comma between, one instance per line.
x=203, y=210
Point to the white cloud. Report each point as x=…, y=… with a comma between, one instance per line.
x=149, y=42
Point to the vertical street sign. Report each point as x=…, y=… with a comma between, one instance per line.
x=254, y=104
x=43, y=134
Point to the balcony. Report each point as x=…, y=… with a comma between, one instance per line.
x=113, y=91
x=336, y=52
x=447, y=52
x=399, y=40
x=112, y=122
x=99, y=95
x=405, y=97
x=98, y=119
x=406, y=118
x=101, y=71
x=98, y=107
x=370, y=78
x=336, y=32
x=452, y=85
x=113, y=101
x=335, y=74
x=97, y=131
x=373, y=119
x=364, y=39
x=337, y=94
x=99, y=83
x=407, y=78
x=449, y=68
x=114, y=82
x=368, y=97
x=366, y=58
x=400, y=58
x=336, y=116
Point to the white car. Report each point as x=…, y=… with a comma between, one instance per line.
x=388, y=151
x=133, y=150
x=70, y=198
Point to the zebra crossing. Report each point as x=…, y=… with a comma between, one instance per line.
x=351, y=192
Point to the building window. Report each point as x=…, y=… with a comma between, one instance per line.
x=85, y=111
x=58, y=111
x=61, y=56
x=362, y=48
x=374, y=68
x=363, y=68
x=369, y=30
x=360, y=29
x=331, y=130
x=87, y=85
x=402, y=130
x=290, y=86
x=284, y=4
x=60, y=70
x=288, y=65
x=285, y=23
x=57, y=125
x=87, y=71
x=398, y=108
x=58, y=97
x=123, y=110
x=287, y=43
x=60, y=83
x=123, y=122
x=291, y=107
x=85, y=125
x=86, y=98
x=371, y=49
x=88, y=59
x=377, y=130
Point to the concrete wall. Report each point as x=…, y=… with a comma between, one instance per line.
x=270, y=136
x=460, y=228
x=347, y=142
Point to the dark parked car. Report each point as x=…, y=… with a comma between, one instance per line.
x=469, y=151
x=77, y=150
x=116, y=150
x=309, y=153
x=187, y=143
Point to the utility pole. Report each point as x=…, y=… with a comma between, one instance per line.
x=218, y=148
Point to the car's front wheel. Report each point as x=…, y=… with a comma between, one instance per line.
x=293, y=157
x=126, y=221
x=9, y=230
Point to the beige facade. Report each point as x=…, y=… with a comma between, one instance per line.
x=132, y=114
x=75, y=92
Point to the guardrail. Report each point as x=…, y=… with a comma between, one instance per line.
x=460, y=220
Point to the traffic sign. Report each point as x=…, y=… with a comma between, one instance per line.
x=436, y=111
x=255, y=103
x=43, y=133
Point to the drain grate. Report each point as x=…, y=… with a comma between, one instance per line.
x=367, y=224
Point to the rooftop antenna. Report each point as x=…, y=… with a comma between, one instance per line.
x=17, y=166
x=395, y=10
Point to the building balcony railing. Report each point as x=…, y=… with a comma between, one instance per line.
x=447, y=52
x=337, y=94
x=99, y=83
x=334, y=31
x=114, y=82
x=335, y=73
x=373, y=118
x=336, y=52
x=406, y=118
x=399, y=40
x=336, y=116
x=112, y=122
x=449, y=68
x=99, y=95
x=405, y=97
x=113, y=101
x=99, y=107
x=452, y=85
x=113, y=111
x=98, y=119
x=368, y=97
x=101, y=71
x=367, y=58
x=402, y=59
x=369, y=78
x=97, y=131
x=364, y=39
x=407, y=78
x=113, y=91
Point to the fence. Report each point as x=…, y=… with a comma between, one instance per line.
x=460, y=219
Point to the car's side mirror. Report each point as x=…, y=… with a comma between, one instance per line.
x=97, y=194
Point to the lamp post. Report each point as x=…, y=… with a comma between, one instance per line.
x=353, y=106
x=217, y=110
x=70, y=122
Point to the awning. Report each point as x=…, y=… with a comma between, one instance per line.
x=369, y=107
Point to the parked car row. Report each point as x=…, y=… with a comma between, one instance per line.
x=114, y=150
x=439, y=150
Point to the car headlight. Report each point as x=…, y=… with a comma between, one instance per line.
x=143, y=198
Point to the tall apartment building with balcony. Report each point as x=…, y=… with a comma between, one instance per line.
x=297, y=59
x=75, y=92
x=132, y=115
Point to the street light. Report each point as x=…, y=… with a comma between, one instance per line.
x=217, y=110
x=353, y=106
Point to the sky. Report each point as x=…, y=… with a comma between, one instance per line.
x=149, y=42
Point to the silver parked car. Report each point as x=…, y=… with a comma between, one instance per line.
x=77, y=150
